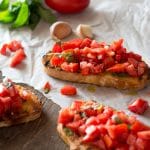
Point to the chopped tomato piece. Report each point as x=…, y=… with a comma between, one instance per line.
x=132, y=71
x=95, y=44
x=90, y=112
x=139, y=106
x=75, y=43
x=18, y=57
x=118, y=68
x=144, y=135
x=57, y=48
x=70, y=67
x=133, y=61
x=76, y=105
x=108, y=62
x=108, y=141
x=65, y=116
x=6, y=103
x=74, y=125
x=47, y=87
x=131, y=139
x=99, y=144
x=85, y=67
x=92, y=121
x=16, y=104
x=135, y=56
x=2, y=109
x=4, y=49
x=116, y=45
x=68, y=90
x=142, y=144
x=91, y=133
x=15, y=45
x=56, y=61
x=138, y=126
x=82, y=129
x=85, y=43
x=3, y=91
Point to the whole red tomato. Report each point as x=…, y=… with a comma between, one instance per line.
x=68, y=6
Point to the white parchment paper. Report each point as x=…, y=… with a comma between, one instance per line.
x=110, y=20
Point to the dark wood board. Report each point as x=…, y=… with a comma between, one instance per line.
x=40, y=134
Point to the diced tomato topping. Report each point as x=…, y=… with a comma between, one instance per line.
x=65, y=116
x=16, y=104
x=108, y=62
x=138, y=126
x=131, y=70
x=6, y=103
x=76, y=105
x=95, y=44
x=135, y=56
x=90, y=112
x=142, y=144
x=92, y=133
x=3, y=91
x=139, y=106
x=70, y=67
x=68, y=90
x=15, y=45
x=144, y=135
x=100, y=144
x=85, y=43
x=3, y=49
x=131, y=139
x=56, y=61
x=116, y=45
x=108, y=141
x=118, y=68
x=82, y=129
x=74, y=125
x=18, y=57
x=57, y=48
x=75, y=43
x=2, y=109
x=92, y=121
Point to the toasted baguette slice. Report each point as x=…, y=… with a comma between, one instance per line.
x=103, y=79
x=88, y=125
x=30, y=110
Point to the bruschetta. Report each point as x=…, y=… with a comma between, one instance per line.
x=19, y=103
x=88, y=125
x=88, y=61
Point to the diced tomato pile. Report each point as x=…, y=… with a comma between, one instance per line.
x=103, y=127
x=91, y=57
x=10, y=101
x=16, y=48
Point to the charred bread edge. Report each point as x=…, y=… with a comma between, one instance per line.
x=104, y=79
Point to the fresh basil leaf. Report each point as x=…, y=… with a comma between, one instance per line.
x=46, y=14
x=15, y=7
x=34, y=20
x=4, y=4
x=6, y=16
x=22, y=17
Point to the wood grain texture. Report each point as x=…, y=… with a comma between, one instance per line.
x=40, y=134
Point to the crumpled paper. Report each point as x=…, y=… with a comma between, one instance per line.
x=110, y=21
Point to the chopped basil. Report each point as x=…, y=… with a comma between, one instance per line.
x=69, y=57
x=46, y=91
x=68, y=131
x=117, y=119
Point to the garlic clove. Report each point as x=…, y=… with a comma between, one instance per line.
x=60, y=30
x=84, y=31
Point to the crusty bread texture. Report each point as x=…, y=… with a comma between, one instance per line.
x=104, y=79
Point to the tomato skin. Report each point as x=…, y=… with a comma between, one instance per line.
x=68, y=6
x=56, y=48
x=65, y=116
x=15, y=45
x=68, y=90
x=4, y=49
x=18, y=57
x=144, y=135
x=76, y=105
x=3, y=91
x=139, y=106
x=6, y=103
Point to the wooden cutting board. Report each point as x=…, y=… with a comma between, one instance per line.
x=40, y=134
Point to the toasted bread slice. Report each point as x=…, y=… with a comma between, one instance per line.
x=88, y=125
x=105, y=79
x=31, y=107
